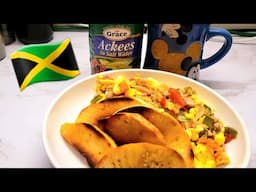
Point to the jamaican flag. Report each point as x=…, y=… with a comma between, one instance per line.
x=44, y=62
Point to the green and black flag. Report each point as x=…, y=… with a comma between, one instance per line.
x=44, y=62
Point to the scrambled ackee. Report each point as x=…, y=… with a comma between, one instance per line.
x=208, y=134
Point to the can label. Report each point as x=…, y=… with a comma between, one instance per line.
x=115, y=46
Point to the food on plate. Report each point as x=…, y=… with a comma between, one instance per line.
x=128, y=127
x=208, y=134
x=141, y=155
x=89, y=141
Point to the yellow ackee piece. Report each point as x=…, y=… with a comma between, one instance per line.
x=131, y=92
x=192, y=113
x=203, y=157
x=152, y=82
x=169, y=105
x=219, y=138
x=194, y=132
x=196, y=99
x=201, y=119
x=121, y=85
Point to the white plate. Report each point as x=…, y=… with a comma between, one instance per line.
x=69, y=103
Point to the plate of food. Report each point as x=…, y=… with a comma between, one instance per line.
x=142, y=118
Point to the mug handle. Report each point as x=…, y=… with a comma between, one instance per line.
x=215, y=31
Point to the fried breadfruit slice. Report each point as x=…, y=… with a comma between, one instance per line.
x=97, y=111
x=89, y=141
x=174, y=134
x=125, y=127
x=141, y=155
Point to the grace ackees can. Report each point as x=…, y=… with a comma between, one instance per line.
x=115, y=46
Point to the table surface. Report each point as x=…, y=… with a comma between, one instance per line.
x=23, y=113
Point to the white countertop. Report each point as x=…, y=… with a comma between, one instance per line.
x=23, y=113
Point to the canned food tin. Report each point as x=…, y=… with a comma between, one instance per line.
x=115, y=46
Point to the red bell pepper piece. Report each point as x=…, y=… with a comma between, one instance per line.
x=176, y=97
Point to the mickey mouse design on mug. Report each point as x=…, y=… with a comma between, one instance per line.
x=183, y=63
x=178, y=48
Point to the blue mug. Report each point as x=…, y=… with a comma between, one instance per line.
x=178, y=48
